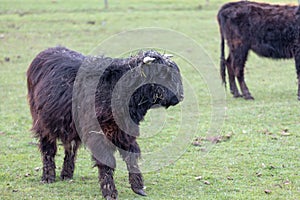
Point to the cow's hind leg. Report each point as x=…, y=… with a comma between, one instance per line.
x=48, y=149
x=239, y=56
x=69, y=160
x=130, y=156
x=240, y=75
x=106, y=179
x=298, y=86
x=297, y=60
x=231, y=75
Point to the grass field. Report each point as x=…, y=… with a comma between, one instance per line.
x=257, y=155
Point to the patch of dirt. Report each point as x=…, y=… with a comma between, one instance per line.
x=266, y=132
x=285, y=132
x=214, y=139
x=206, y=182
x=268, y=191
x=91, y=22
x=37, y=169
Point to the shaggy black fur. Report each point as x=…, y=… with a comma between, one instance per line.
x=51, y=77
x=269, y=30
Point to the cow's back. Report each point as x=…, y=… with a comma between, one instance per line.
x=50, y=79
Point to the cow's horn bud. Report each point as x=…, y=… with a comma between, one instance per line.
x=148, y=60
x=168, y=55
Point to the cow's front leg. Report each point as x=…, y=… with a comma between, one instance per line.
x=130, y=156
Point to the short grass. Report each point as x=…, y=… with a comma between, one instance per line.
x=258, y=156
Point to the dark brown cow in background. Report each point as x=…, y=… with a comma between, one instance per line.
x=269, y=30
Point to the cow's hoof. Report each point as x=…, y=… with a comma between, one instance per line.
x=111, y=198
x=64, y=177
x=139, y=191
x=237, y=96
x=299, y=98
x=48, y=180
x=248, y=97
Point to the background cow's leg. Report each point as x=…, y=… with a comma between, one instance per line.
x=69, y=160
x=106, y=179
x=297, y=61
x=239, y=56
x=48, y=149
x=233, y=88
x=240, y=76
x=130, y=156
x=298, y=85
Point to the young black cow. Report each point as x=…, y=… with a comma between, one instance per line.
x=52, y=78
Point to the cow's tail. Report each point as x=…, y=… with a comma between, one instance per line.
x=222, y=60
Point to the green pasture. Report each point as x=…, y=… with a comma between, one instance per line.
x=256, y=148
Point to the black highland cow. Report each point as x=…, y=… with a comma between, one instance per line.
x=269, y=30
x=51, y=79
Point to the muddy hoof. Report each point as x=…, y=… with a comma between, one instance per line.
x=248, y=97
x=65, y=177
x=111, y=198
x=47, y=180
x=139, y=191
x=237, y=95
